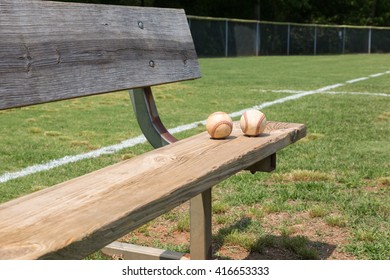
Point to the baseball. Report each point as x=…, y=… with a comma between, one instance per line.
x=219, y=125
x=253, y=122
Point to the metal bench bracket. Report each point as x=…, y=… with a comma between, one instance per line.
x=267, y=164
x=148, y=119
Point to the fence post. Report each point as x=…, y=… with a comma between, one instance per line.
x=344, y=37
x=369, y=40
x=257, y=38
x=315, y=40
x=288, y=38
x=226, y=38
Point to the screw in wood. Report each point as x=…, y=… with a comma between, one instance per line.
x=141, y=24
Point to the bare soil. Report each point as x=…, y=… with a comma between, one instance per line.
x=325, y=240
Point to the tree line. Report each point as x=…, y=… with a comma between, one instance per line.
x=352, y=12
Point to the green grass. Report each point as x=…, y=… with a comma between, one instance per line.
x=330, y=191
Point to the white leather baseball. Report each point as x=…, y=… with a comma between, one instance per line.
x=219, y=125
x=253, y=122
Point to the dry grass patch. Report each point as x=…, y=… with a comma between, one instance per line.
x=52, y=133
x=303, y=176
x=76, y=143
x=35, y=130
x=384, y=117
x=384, y=181
x=311, y=137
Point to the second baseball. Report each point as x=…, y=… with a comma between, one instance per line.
x=219, y=125
x=253, y=122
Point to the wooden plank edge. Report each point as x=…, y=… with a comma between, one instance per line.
x=126, y=251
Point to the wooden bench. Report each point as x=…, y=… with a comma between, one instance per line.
x=52, y=51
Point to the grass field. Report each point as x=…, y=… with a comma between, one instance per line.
x=329, y=197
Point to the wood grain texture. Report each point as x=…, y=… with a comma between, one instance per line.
x=51, y=51
x=80, y=216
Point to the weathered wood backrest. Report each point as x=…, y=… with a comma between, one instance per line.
x=52, y=51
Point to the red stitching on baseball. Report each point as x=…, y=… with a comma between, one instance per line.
x=246, y=123
x=218, y=124
x=259, y=124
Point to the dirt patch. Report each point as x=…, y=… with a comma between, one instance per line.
x=377, y=185
x=326, y=240
x=285, y=236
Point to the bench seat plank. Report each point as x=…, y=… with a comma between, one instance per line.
x=77, y=217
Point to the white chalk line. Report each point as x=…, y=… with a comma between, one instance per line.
x=357, y=80
x=141, y=139
x=359, y=93
x=329, y=92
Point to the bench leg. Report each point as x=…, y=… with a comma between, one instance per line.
x=267, y=164
x=200, y=229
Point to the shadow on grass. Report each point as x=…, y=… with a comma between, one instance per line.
x=274, y=247
x=271, y=247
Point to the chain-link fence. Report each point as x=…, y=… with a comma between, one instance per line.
x=226, y=37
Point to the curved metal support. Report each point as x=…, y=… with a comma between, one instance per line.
x=148, y=119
